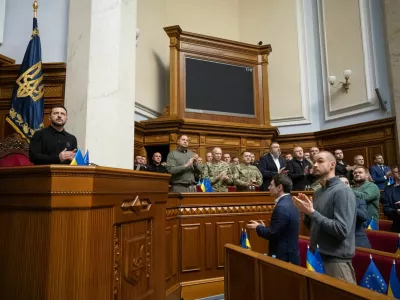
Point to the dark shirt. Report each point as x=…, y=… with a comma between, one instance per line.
x=390, y=196
x=47, y=144
x=299, y=172
x=340, y=169
x=157, y=168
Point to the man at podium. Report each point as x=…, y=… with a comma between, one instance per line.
x=53, y=145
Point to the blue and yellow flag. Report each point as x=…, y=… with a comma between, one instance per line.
x=312, y=262
x=244, y=240
x=394, y=283
x=206, y=185
x=27, y=102
x=373, y=225
x=78, y=159
x=373, y=279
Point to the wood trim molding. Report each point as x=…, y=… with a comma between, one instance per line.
x=305, y=117
x=5, y=60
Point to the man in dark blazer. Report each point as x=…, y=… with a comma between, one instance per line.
x=283, y=231
x=271, y=164
x=300, y=170
x=391, y=200
x=379, y=172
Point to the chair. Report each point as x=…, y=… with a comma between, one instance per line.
x=14, y=151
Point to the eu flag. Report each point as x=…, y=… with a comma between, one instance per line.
x=394, y=283
x=373, y=279
x=27, y=102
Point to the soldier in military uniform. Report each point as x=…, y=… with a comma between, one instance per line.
x=218, y=171
x=246, y=176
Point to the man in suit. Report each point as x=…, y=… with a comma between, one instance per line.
x=283, y=232
x=271, y=164
x=379, y=172
x=391, y=200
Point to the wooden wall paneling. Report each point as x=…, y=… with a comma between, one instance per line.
x=191, y=247
x=169, y=255
x=225, y=234
x=209, y=237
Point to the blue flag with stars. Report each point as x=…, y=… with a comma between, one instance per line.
x=27, y=102
x=373, y=279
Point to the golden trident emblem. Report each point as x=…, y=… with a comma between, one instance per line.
x=28, y=85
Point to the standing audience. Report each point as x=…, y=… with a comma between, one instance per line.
x=391, y=200
x=331, y=218
x=246, y=176
x=218, y=171
x=299, y=170
x=379, y=172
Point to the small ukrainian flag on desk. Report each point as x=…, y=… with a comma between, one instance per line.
x=79, y=160
x=372, y=225
x=394, y=284
x=314, y=262
x=244, y=240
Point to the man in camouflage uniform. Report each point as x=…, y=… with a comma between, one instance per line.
x=218, y=171
x=246, y=175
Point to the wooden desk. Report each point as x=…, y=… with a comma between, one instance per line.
x=251, y=275
x=197, y=228
x=82, y=233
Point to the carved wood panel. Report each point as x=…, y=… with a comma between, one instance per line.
x=191, y=249
x=225, y=234
x=136, y=257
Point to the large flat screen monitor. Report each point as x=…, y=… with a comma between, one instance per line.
x=219, y=88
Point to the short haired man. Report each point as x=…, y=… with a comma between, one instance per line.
x=245, y=175
x=299, y=170
x=379, y=172
x=270, y=164
x=288, y=157
x=209, y=157
x=391, y=200
x=227, y=158
x=313, y=150
x=331, y=218
x=53, y=145
x=156, y=165
x=218, y=171
x=342, y=168
x=283, y=231
x=307, y=156
x=183, y=165
x=367, y=191
x=235, y=160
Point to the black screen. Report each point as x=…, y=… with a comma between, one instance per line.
x=219, y=88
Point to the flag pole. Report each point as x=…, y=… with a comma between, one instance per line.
x=35, y=6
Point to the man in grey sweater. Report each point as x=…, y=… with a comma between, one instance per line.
x=183, y=164
x=331, y=218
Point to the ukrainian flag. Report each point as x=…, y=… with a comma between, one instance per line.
x=202, y=186
x=312, y=262
x=78, y=159
x=373, y=279
x=206, y=185
x=373, y=225
x=244, y=240
x=394, y=284
x=27, y=102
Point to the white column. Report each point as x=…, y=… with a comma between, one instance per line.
x=100, y=83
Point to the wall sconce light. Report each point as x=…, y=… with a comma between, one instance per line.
x=345, y=85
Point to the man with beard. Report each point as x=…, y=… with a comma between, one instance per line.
x=271, y=164
x=331, y=218
x=53, y=145
x=367, y=191
x=183, y=165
